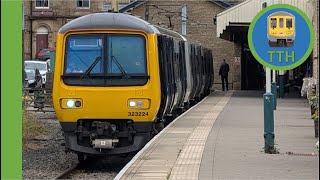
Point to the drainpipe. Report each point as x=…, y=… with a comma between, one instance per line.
x=30, y=29
x=23, y=75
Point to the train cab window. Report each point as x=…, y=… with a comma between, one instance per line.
x=273, y=22
x=105, y=60
x=126, y=54
x=81, y=52
x=281, y=22
x=289, y=23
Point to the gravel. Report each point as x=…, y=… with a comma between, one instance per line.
x=44, y=156
x=98, y=169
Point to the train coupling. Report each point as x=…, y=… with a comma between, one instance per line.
x=104, y=143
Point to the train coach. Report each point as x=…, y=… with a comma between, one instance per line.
x=118, y=80
x=281, y=29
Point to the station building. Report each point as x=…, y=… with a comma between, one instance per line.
x=221, y=25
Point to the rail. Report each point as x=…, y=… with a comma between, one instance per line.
x=66, y=174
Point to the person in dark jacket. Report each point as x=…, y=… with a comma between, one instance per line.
x=223, y=72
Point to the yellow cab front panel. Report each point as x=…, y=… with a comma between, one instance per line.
x=281, y=26
x=106, y=86
x=92, y=100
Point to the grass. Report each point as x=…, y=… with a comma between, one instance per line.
x=31, y=128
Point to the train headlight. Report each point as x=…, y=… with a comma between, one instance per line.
x=70, y=103
x=132, y=104
x=139, y=103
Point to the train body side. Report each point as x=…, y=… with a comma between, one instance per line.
x=186, y=75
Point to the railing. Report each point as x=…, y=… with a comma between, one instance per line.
x=37, y=98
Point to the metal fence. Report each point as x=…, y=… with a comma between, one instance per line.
x=37, y=99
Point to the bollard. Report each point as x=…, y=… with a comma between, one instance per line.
x=269, y=123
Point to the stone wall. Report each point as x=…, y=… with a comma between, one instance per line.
x=200, y=27
x=53, y=18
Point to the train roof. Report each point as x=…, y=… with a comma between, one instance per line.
x=280, y=13
x=108, y=20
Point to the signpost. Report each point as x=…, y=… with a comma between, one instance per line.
x=274, y=89
x=281, y=37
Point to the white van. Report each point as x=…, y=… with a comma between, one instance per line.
x=43, y=67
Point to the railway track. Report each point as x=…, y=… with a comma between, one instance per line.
x=67, y=173
x=96, y=168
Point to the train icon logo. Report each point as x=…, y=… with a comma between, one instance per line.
x=281, y=29
x=281, y=37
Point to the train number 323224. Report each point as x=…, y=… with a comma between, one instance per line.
x=138, y=113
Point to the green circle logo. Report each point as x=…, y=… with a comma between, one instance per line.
x=281, y=37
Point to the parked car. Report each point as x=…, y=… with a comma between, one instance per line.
x=43, y=54
x=33, y=78
x=43, y=67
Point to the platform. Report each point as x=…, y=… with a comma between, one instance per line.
x=222, y=138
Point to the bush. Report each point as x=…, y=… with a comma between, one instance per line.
x=315, y=116
x=314, y=102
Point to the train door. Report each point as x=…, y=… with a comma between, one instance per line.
x=183, y=74
x=281, y=28
x=176, y=74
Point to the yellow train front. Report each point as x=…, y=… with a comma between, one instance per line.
x=281, y=29
x=107, y=90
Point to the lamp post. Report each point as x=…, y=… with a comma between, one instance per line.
x=115, y=6
x=184, y=20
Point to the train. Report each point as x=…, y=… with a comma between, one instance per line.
x=119, y=80
x=281, y=29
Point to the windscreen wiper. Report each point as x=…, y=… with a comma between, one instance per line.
x=91, y=67
x=120, y=67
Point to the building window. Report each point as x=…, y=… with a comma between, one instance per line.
x=83, y=4
x=42, y=4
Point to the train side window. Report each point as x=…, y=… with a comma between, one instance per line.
x=281, y=22
x=289, y=23
x=273, y=22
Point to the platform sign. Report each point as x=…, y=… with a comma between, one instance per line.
x=281, y=37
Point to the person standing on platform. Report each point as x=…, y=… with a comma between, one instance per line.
x=223, y=72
